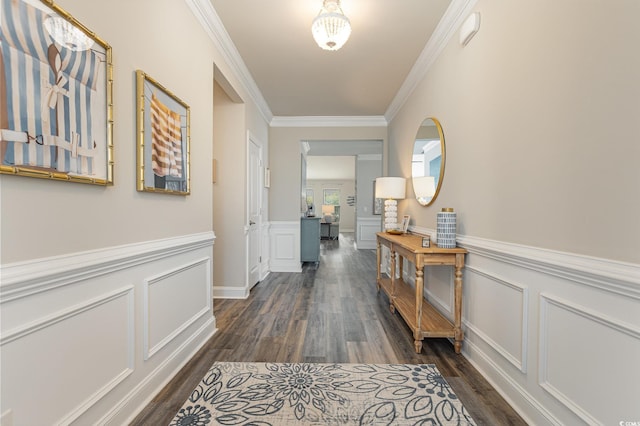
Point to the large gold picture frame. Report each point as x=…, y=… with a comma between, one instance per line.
x=163, y=123
x=56, y=96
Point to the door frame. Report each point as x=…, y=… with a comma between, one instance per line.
x=251, y=139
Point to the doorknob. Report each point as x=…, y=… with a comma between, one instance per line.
x=251, y=223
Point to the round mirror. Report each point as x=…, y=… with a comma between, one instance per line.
x=427, y=162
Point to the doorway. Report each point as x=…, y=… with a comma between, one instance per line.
x=326, y=164
x=254, y=210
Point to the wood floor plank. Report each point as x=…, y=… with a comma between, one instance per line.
x=329, y=313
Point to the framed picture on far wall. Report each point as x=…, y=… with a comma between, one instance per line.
x=378, y=203
x=405, y=223
x=163, y=122
x=56, y=90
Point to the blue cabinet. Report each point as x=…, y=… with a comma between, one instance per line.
x=310, y=239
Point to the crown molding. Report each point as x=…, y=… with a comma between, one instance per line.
x=453, y=17
x=330, y=121
x=210, y=21
x=369, y=157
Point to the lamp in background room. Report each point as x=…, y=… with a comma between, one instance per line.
x=391, y=189
x=328, y=212
x=331, y=28
x=424, y=188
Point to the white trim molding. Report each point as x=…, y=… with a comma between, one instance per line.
x=325, y=121
x=452, y=19
x=62, y=316
x=227, y=292
x=604, y=274
x=31, y=277
x=210, y=21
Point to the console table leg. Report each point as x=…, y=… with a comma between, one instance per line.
x=458, y=335
x=457, y=345
x=418, y=345
x=378, y=275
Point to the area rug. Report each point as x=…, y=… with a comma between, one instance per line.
x=321, y=394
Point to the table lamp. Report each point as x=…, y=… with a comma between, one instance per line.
x=327, y=212
x=391, y=189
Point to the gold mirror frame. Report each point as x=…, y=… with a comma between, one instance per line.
x=41, y=139
x=429, y=143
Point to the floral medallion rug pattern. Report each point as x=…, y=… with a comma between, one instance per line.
x=319, y=394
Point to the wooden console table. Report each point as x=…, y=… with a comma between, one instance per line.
x=423, y=319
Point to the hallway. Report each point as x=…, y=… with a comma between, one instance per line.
x=329, y=313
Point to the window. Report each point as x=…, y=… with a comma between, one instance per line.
x=331, y=197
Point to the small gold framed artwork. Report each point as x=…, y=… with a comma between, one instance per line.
x=163, y=122
x=405, y=223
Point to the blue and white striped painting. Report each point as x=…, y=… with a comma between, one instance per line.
x=53, y=113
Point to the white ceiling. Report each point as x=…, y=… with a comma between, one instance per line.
x=296, y=78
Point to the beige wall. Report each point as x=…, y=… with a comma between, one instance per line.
x=284, y=155
x=229, y=203
x=42, y=218
x=540, y=117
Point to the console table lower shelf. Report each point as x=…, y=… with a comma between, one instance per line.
x=421, y=317
x=432, y=322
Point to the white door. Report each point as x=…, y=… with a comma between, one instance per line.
x=254, y=191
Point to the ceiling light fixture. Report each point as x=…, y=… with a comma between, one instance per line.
x=331, y=28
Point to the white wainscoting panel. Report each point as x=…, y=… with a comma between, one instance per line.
x=285, y=246
x=574, y=341
x=557, y=334
x=265, y=264
x=75, y=329
x=59, y=352
x=366, y=235
x=186, y=288
x=505, y=327
x=540, y=324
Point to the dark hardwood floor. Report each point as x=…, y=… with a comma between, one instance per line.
x=329, y=313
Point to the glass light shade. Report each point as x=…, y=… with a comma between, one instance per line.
x=66, y=35
x=391, y=187
x=331, y=28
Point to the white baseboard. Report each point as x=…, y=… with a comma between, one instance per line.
x=230, y=293
x=159, y=378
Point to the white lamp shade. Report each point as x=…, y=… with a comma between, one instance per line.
x=391, y=187
x=328, y=209
x=424, y=186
